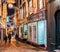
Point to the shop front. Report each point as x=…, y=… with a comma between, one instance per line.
x=32, y=32
x=25, y=28
x=25, y=32
x=37, y=29
x=21, y=31
x=42, y=34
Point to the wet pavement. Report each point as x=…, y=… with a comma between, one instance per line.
x=18, y=47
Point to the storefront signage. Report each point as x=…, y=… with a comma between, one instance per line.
x=36, y=17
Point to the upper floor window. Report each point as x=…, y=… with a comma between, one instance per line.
x=40, y=4
x=20, y=2
x=21, y=13
x=30, y=3
x=24, y=10
x=30, y=6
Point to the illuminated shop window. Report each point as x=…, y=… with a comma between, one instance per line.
x=21, y=13
x=8, y=18
x=40, y=4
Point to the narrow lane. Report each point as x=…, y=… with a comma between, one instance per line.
x=18, y=47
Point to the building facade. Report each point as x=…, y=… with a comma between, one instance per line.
x=53, y=26
x=33, y=21
x=3, y=15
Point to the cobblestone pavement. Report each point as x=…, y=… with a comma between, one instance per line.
x=18, y=47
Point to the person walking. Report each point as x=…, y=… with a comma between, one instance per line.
x=9, y=38
x=5, y=39
x=16, y=37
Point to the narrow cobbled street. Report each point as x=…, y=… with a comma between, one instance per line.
x=18, y=47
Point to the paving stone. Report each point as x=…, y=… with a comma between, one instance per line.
x=19, y=47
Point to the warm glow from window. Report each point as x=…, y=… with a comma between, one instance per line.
x=40, y=4
x=21, y=13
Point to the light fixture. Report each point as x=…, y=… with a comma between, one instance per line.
x=10, y=5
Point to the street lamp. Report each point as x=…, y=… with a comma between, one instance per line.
x=10, y=5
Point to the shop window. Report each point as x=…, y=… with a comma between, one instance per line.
x=7, y=18
x=34, y=32
x=30, y=33
x=23, y=0
x=40, y=4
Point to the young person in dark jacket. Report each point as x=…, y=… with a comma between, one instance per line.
x=9, y=37
x=5, y=39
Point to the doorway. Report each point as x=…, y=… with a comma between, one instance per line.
x=57, y=29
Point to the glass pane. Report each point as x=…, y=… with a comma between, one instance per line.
x=40, y=4
x=30, y=3
x=21, y=13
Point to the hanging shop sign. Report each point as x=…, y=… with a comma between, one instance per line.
x=36, y=17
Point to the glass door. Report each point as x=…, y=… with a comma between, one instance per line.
x=34, y=32
x=30, y=33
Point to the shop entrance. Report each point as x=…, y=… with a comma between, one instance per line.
x=32, y=32
x=57, y=28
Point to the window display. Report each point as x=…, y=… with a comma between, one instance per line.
x=30, y=31
x=41, y=32
x=8, y=19
x=25, y=27
x=25, y=31
x=34, y=32
x=21, y=31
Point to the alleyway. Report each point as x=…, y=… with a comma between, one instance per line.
x=19, y=47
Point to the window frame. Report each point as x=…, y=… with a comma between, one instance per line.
x=38, y=3
x=21, y=13
x=24, y=10
x=29, y=6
